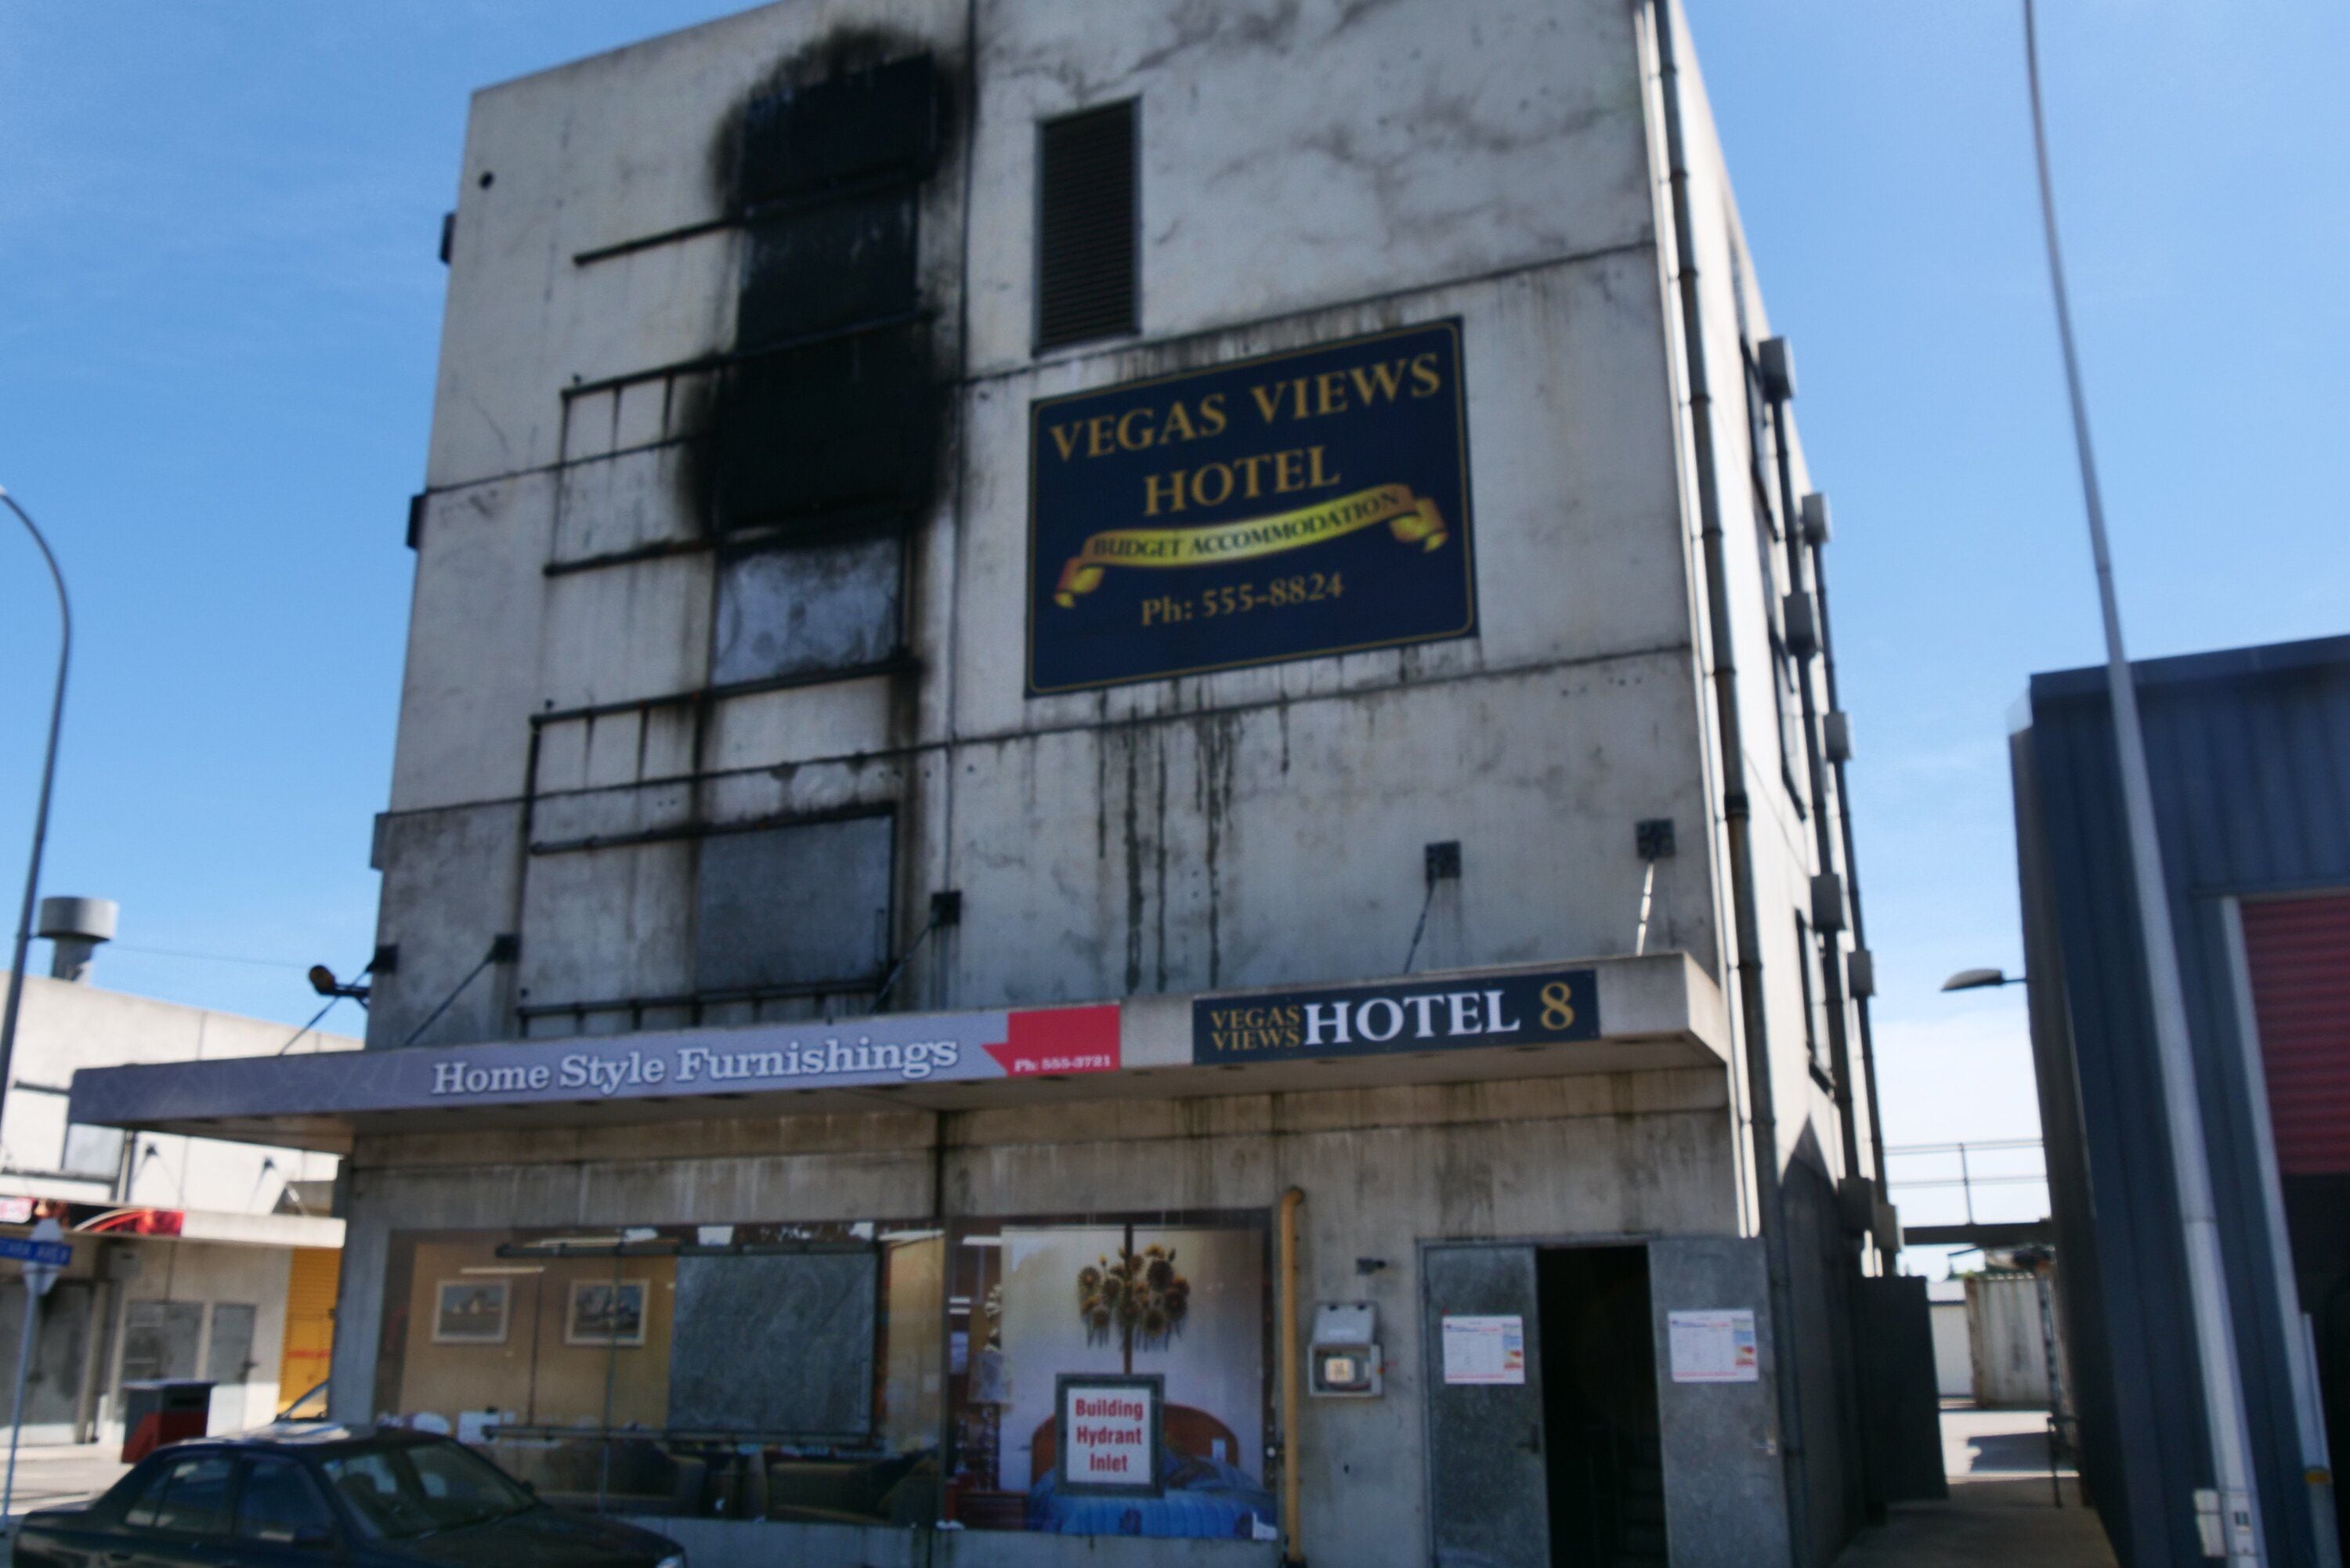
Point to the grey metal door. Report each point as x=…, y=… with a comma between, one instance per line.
x=1488, y=1492
x=52, y=1383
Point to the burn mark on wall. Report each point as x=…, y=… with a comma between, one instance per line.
x=818, y=442
x=831, y=396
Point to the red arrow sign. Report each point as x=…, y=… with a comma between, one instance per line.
x=1059, y=1040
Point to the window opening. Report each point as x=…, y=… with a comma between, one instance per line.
x=277, y=1504
x=1807, y=965
x=1088, y=215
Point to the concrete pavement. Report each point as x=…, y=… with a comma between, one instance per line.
x=59, y=1473
x=2001, y=1508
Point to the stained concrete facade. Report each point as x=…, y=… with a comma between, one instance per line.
x=1308, y=171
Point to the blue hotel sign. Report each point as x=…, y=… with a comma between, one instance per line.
x=1305, y=503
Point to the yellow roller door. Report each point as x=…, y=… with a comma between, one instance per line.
x=309, y=1324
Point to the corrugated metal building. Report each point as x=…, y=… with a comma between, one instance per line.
x=2250, y=753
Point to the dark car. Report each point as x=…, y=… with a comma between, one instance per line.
x=319, y=1495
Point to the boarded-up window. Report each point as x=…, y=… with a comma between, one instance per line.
x=785, y=612
x=779, y=1344
x=1087, y=218
x=804, y=906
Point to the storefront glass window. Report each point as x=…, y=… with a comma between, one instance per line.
x=818, y=1373
x=743, y=1371
x=1175, y=1310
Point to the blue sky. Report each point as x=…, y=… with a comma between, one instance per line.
x=217, y=232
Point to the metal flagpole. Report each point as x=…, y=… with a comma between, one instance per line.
x=39, y=1275
x=2223, y=1395
x=41, y=813
x=16, y=1407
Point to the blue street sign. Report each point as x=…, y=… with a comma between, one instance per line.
x=51, y=1254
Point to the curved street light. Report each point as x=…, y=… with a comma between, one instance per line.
x=1977, y=978
x=40, y=812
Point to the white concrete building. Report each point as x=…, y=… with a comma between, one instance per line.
x=1049, y=641
x=188, y=1252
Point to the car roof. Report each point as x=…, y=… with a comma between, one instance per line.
x=305, y=1437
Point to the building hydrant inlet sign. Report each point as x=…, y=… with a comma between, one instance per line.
x=1109, y=1432
x=1310, y=503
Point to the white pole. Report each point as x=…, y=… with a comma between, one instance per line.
x=1647, y=891
x=17, y=1408
x=2223, y=1395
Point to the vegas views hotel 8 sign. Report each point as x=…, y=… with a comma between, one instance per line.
x=1308, y=503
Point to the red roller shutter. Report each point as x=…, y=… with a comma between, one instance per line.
x=2298, y=950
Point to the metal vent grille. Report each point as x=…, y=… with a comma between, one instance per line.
x=1085, y=222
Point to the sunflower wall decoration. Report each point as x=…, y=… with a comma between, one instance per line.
x=1140, y=1297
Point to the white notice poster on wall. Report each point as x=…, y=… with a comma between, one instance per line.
x=1713, y=1347
x=1484, y=1349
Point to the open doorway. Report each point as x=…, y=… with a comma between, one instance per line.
x=1544, y=1446
x=1604, y=1456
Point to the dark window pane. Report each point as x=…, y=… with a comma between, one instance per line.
x=859, y=125
x=402, y=1490
x=803, y=904
x=844, y=422
x=792, y=611
x=195, y=1498
x=846, y=262
x=1086, y=216
x=148, y=1498
x=279, y=1504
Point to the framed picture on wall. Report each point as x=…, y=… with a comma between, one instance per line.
x=606, y=1312
x=470, y=1311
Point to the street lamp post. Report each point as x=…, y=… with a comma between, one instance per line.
x=40, y=812
x=2238, y=1524
x=1979, y=979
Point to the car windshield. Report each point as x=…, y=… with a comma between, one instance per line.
x=401, y=1490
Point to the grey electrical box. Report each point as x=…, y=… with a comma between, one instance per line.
x=1343, y=1353
x=1816, y=528
x=1827, y=902
x=1803, y=626
x=1835, y=735
x=1776, y=363
x=1860, y=968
